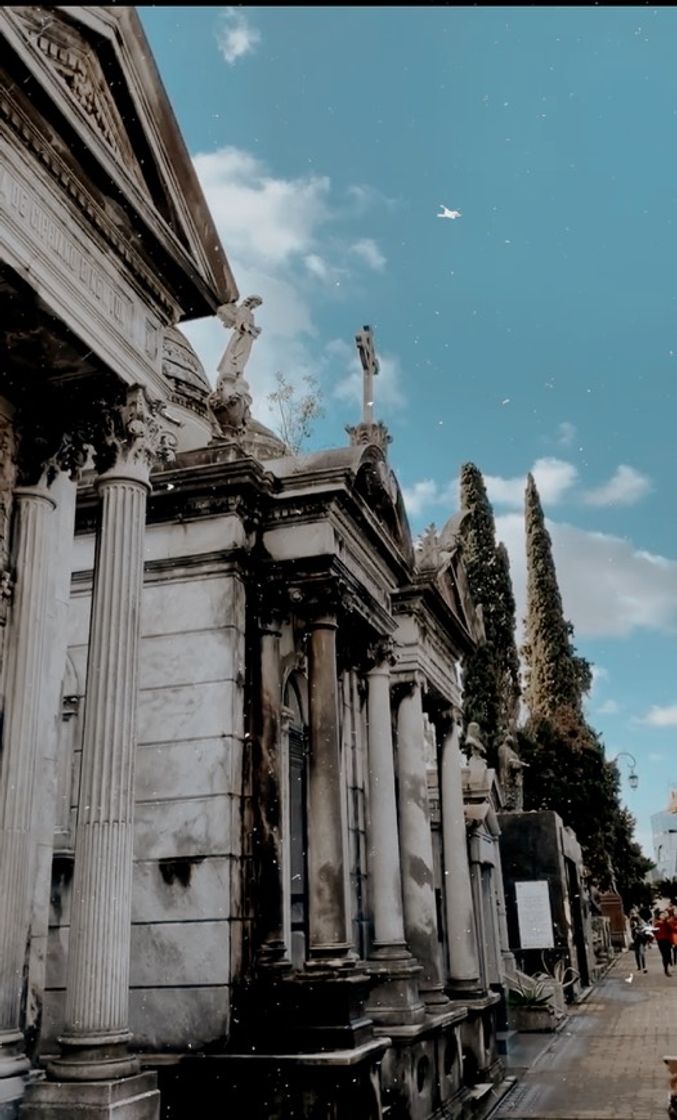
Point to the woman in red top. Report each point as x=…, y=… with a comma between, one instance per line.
x=662, y=931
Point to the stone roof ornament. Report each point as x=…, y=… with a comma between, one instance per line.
x=231, y=401
x=368, y=431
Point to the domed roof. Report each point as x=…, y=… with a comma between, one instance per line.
x=184, y=371
x=263, y=443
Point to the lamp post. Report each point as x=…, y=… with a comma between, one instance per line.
x=633, y=777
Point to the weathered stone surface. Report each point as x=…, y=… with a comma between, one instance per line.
x=133, y=1098
x=199, y=826
x=196, y=768
x=163, y=955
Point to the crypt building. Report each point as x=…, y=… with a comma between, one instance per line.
x=243, y=859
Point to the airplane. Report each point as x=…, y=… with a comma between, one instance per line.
x=449, y=213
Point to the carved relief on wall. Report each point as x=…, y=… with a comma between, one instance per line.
x=81, y=75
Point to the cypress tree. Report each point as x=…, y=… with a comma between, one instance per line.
x=557, y=679
x=491, y=673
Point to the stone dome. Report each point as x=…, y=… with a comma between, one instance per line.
x=263, y=443
x=184, y=372
x=189, y=390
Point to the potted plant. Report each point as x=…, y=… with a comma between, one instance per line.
x=532, y=1003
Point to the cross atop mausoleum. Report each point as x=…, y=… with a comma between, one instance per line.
x=368, y=431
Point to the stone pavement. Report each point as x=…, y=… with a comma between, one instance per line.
x=607, y=1062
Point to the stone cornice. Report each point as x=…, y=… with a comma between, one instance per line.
x=183, y=493
x=63, y=174
x=424, y=601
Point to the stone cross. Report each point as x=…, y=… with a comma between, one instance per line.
x=365, y=348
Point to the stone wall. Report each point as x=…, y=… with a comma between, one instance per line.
x=187, y=911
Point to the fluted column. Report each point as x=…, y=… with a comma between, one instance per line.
x=329, y=938
x=383, y=841
x=416, y=848
x=20, y=754
x=268, y=799
x=96, y=1034
x=464, y=971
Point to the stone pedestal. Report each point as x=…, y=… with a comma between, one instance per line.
x=19, y=762
x=394, y=996
x=464, y=970
x=416, y=849
x=329, y=939
x=130, y=1098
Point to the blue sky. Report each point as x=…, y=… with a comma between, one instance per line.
x=536, y=332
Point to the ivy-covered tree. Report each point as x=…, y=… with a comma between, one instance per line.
x=491, y=672
x=557, y=678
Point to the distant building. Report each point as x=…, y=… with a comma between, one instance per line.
x=664, y=828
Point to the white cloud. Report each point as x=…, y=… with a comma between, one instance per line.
x=236, y=36
x=625, y=487
x=599, y=673
x=554, y=479
x=609, y=588
x=420, y=496
x=370, y=253
x=661, y=717
x=280, y=240
x=609, y=708
x=566, y=433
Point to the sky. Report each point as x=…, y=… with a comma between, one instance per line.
x=536, y=332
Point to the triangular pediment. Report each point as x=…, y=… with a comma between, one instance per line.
x=81, y=76
x=95, y=66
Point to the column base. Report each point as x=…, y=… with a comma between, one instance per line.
x=465, y=990
x=436, y=1000
x=131, y=1098
x=393, y=997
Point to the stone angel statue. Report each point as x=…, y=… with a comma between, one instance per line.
x=474, y=747
x=245, y=331
x=510, y=773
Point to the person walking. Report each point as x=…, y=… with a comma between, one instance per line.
x=672, y=918
x=639, y=941
x=662, y=931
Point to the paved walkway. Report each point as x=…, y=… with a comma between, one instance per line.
x=607, y=1062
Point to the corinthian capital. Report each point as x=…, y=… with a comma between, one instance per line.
x=136, y=435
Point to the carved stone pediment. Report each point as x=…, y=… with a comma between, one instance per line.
x=81, y=76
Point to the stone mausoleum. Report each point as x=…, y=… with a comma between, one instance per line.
x=243, y=860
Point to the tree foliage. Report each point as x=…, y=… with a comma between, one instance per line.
x=491, y=673
x=567, y=769
x=557, y=678
x=296, y=411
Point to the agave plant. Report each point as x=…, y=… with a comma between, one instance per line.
x=528, y=991
x=559, y=973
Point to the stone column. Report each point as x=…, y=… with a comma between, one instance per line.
x=329, y=938
x=464, y=972
x=269, y=800
x=96, y=1036
x=395, y=998
x=22, y=734
x=416, y=848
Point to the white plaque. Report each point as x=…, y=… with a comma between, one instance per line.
x=534, y=915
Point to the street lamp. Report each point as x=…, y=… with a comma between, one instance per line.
x=633, y=777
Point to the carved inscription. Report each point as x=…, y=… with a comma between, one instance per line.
x=53, y=237
x=27, y=212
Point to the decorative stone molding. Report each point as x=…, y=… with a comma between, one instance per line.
x=363, y=434
x=79, y=71
x=137, y=435
x=62, y=173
